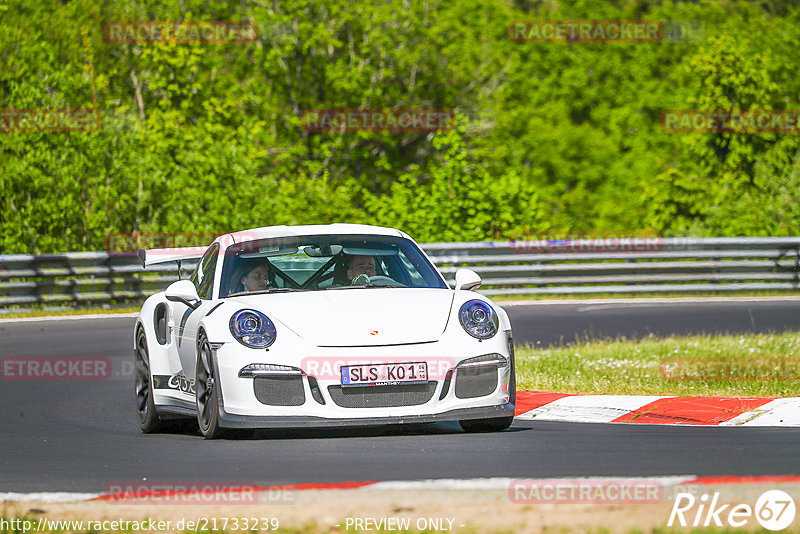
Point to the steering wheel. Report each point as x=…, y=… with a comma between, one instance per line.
x=363, y=279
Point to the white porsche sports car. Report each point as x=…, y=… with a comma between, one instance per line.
x=305, y=326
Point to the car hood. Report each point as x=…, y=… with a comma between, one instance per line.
x=360, y=316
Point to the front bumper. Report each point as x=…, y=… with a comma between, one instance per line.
x=239, y=421
x=320, y=403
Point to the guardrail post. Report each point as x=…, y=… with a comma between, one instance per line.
x=37, y=292
x=110, y=275
x=785, y=251
x=796, y=267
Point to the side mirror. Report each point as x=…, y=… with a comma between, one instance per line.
x=467, y=279
x=183, y=291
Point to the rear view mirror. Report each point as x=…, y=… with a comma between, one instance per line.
x=183, y=291
x=322, y=251
x=467, y=279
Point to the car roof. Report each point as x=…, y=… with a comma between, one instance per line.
x=267, y=232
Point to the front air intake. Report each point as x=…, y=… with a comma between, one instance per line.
x=382, y=396
x=478, y=377
x=280, y=390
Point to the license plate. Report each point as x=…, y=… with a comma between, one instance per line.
x=384, y=374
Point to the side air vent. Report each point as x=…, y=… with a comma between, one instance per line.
x=279, y=390
x=160, y=323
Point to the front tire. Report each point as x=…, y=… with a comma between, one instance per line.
x=207, y=392
x=149, y=420
x=495, y=424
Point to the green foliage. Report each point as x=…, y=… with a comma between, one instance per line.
x=550, y=137
x=456, y=197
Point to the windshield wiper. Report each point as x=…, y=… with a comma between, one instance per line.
x=281, y=290
x=367, y=286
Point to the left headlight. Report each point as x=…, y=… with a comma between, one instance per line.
x=478, y=319
x=253, y=329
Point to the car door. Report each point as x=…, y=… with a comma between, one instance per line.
x=187, y=320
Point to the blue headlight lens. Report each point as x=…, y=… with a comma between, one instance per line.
x=253, y=329
x=478, y=319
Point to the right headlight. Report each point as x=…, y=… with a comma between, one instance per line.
x=478, y=319
x=253, y=329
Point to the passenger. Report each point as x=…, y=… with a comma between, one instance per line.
x=252, y=275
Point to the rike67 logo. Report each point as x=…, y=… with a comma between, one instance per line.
x=774, y=510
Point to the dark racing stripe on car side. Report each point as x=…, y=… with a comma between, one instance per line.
x=214, y=308
x=182, y=325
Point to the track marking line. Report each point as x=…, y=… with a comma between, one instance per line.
x=778, y=412
x=589, y=408
x=661, y=410
x=691, y=410
x=485, y=484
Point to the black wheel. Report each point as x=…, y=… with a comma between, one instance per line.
x=149, y=421
x=206, y=392
x=495, y=424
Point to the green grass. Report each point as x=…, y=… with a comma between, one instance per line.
x=763, y=365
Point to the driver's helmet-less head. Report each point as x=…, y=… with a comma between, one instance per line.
x=360, y=269
x=350, y=267
x=253, y=274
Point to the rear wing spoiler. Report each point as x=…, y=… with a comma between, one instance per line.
x=155, y=256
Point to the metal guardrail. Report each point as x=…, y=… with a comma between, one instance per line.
x=637, y=265
x=82, y=278
x=554, y=267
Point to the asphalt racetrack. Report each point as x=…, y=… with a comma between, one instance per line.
x=82, y=436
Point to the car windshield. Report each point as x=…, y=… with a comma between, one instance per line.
x=325, y=262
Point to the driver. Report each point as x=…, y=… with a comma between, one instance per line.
x=350, y=267
x=360, y=269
